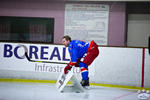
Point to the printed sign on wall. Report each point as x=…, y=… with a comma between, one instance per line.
x=87, y=22
x=12, y=57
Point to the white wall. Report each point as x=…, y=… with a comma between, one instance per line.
x=114, y=65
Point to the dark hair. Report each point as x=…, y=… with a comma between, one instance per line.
x=67, y=37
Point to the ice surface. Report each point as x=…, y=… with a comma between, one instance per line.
x=45, y=91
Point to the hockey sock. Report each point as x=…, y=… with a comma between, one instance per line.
x=84, y=70
x=84, y=75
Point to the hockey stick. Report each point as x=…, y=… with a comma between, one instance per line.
x=26, y=55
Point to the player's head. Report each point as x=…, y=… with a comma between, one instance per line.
x=66, y=40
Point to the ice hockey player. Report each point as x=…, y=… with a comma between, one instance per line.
x=78, y=49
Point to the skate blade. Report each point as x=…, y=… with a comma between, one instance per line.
x=86, y=87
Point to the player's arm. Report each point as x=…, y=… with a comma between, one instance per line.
x=73, y=55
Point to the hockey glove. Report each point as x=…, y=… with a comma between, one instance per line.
x=67, y=68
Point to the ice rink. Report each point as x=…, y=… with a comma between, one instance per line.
x=45, y=91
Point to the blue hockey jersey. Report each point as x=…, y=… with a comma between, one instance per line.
x=77, y=49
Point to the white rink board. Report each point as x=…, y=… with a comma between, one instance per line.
x=114, y=65
x=147, y=69
x=119, y=66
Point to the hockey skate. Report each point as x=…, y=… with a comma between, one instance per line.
x=85, y=83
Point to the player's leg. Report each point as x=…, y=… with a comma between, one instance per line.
x=91, y=55
x=84, y=73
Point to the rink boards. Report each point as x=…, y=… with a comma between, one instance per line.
x=114, y=65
